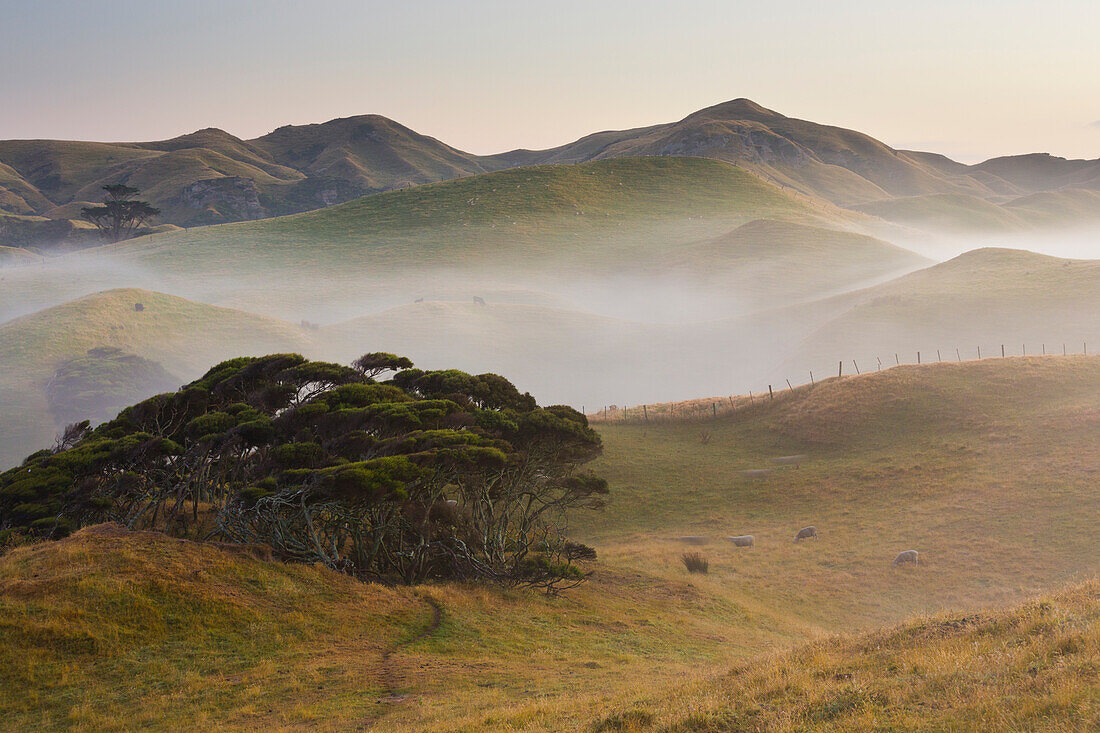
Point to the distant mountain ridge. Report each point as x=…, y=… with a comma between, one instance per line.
x=210, y=176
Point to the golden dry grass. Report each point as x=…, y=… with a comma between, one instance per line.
x=987, y=468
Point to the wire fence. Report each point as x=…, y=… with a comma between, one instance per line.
x=713, y=407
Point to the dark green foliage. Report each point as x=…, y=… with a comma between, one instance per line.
x=100, y=383
x=432, y=474
x=379, y=362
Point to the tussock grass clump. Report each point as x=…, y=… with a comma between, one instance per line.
x=632, y=721
x=695, y=562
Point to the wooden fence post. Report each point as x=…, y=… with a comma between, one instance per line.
x=958, y=354
x=751, y=400
x=879, y=359
x=645, y=412
x=714, y=408
x=811, y=377
x=896, y=359
x=918, y=357
x=840, y=369
x=979, y=351
x=789, y=384
x=855, y=365
x=938, y=357
x=1002, y=351
x=771, y=395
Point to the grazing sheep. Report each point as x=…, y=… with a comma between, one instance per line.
x=907, y=556
x=805, y=533
x=692, y=540
x=756, y=473
x=745, y=540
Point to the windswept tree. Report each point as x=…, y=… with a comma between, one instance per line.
x=121, y=215
x=431, y=474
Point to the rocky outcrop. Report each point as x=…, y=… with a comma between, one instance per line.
x=224, y=199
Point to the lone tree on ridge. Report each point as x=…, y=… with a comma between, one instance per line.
x=121, y=214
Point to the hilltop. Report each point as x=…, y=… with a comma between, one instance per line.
x=183, y=337
x=984, y=467
x=210, y=176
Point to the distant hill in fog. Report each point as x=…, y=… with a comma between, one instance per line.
x=211, y=176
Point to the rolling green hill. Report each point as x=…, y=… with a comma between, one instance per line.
x=520, y=228
x=182, y=336
x=952, y=213
x=765, y=262
x=983, y=298
x=985, y=468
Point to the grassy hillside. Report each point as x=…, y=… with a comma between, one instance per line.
x=1043, y=171
x=183, y=336
x=538, y=209
x=517, y=228
x=12, y=256
x=1028, y=668
x=838, y=165
x=1061, y=208
x=984, y=468
x=957, y=213
x=765, y=262
x=983, y=298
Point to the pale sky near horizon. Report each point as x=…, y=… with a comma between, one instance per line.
x=968, y=78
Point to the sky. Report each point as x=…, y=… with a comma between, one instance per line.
x=968, y=78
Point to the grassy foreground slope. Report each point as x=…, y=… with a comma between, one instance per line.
x=183, y=336
x=1032, y=667
x=986, y=468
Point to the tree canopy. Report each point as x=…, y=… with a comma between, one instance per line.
x=121, y=214
x=431, y=474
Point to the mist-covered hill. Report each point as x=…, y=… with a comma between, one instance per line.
x=211, y=176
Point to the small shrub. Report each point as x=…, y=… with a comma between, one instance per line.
x=704, y=438
x=695, y=562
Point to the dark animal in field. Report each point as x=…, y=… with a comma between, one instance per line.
x=745, y=540
x=909, y=556
x=806, y=533
x=139, y=307
x=479, y=301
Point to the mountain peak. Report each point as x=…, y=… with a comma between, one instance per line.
x=737, y=109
